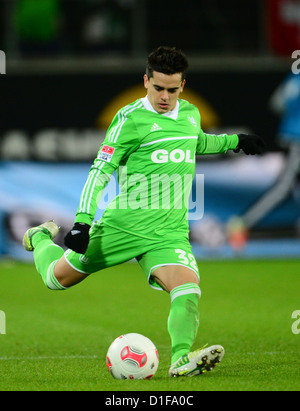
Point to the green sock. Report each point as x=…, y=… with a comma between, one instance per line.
x=46, y=253
x=183, y=320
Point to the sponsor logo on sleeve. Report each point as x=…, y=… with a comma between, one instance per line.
x=106, y=153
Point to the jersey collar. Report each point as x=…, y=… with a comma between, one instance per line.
x=171, y=114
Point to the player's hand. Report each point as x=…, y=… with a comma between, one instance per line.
x=250, y=144
x=78, y=238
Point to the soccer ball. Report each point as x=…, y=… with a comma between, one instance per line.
x=132, y=356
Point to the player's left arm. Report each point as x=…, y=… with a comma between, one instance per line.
x=216, y=144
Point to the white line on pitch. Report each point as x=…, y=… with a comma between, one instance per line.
x=50, y=357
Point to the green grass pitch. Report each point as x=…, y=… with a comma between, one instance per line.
x=57, y=340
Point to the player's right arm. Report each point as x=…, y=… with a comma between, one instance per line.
x=120, y=141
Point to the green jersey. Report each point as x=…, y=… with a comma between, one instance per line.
x=154, y=156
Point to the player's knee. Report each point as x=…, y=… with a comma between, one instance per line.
x=68, y=280
x=65, y=280
x=50, y=279
x=172, y=276
x=66, y=276
x=186, y=277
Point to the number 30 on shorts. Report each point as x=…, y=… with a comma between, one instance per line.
x=186, y=259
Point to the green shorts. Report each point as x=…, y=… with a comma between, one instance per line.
x=109, y=246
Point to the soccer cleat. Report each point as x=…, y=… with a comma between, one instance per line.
x=197, y=362
x=49, y=228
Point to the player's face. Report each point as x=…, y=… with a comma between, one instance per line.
x=163, y=90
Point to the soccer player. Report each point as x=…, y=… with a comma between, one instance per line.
x=155, y=139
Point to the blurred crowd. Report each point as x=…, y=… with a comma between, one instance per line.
x=44, y=27
x=50, y=27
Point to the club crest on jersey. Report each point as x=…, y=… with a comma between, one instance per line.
x=106, y=153
x=192, y=120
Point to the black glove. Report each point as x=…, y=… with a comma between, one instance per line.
x=250, y=144
x=78, y=238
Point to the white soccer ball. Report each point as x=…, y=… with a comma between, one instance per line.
x=132, y=356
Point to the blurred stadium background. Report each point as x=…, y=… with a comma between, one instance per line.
x=71, y=64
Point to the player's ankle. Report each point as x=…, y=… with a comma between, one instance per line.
x=39, y=236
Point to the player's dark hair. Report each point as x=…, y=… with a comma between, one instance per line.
x=167, y=60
